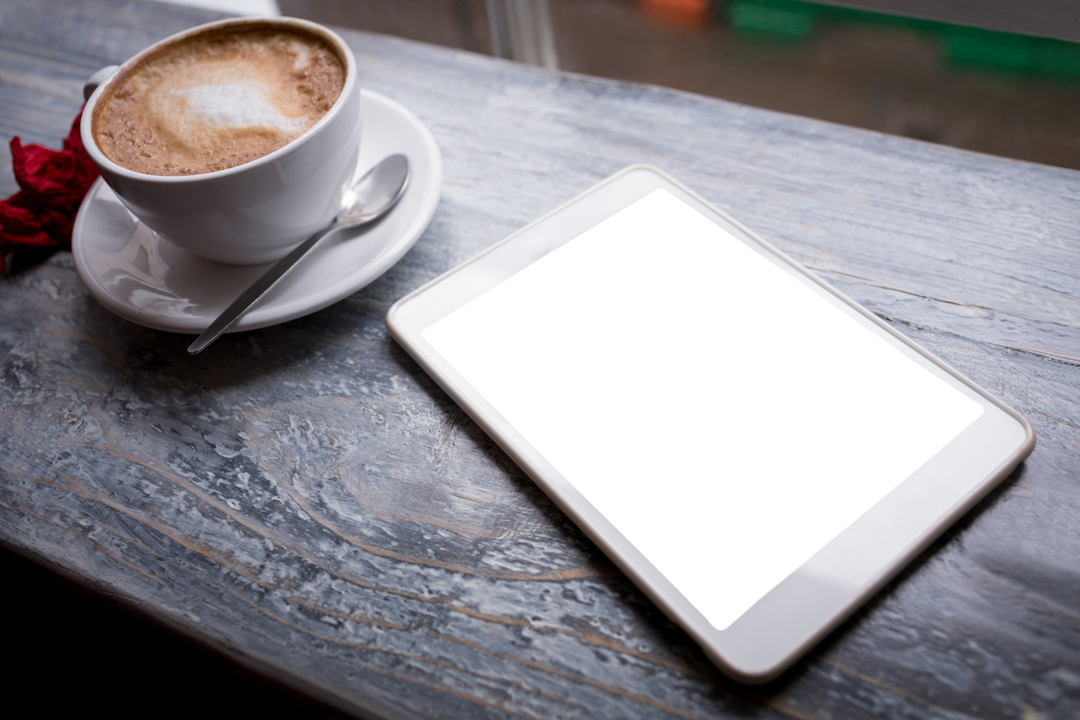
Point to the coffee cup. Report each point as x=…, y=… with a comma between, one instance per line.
x=225, y=139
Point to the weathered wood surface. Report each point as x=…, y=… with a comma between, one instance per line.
x=305, y=499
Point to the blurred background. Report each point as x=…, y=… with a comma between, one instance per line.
x=994, y=76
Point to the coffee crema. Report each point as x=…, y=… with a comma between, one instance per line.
x=217, y=99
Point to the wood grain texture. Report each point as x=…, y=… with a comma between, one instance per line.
x=305, y=499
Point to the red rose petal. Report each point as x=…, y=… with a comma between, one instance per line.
x=53, y=184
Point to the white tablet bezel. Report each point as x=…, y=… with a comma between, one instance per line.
x=808, y=604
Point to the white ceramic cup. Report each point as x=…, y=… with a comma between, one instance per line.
x=255, y=212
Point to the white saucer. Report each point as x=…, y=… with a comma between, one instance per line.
x=141, y=277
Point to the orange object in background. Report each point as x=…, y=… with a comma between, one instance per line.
x=676, y=13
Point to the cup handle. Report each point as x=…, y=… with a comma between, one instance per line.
x=97, y=79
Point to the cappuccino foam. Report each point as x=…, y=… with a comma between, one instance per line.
x=217, y=100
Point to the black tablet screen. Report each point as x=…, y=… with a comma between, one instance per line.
x=724, y=414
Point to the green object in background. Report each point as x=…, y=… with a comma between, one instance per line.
x=1009, y=52
x=964, y=46
x=780, y=19
x=989, y=49
x=1059, y=58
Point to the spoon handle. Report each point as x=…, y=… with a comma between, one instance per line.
x=253, y=294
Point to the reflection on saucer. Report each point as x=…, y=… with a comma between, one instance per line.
x=136, y=274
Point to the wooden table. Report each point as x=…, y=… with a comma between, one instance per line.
x=305, y=500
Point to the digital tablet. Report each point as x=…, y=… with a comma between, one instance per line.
x=756, y=451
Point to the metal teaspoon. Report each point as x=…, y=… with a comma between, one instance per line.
x=368, y=200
